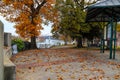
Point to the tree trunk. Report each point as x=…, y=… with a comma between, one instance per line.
x=79, y=42
x=33, y=43
x=65, y=41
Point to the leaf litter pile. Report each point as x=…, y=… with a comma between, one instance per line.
x=66, y=64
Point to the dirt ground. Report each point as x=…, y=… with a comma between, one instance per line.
x=66, y=64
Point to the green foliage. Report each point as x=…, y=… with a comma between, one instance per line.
x=72, y=21
x=71, y=18
x=20, y=44
x=95, y=31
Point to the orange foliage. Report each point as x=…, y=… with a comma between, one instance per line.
x=7, y=1
x=29, y=15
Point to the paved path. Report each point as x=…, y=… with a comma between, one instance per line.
x=66, y=64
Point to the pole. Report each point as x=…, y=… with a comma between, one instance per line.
x=102, y=42
x=111, y=39
x=102, y=39
x=114, y=41
x=1, y=51
x=101, y=45
x=107, y=37
x=103, y=36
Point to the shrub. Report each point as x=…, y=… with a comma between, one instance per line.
x=19, y=43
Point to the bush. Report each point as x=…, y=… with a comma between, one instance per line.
x=19, y=43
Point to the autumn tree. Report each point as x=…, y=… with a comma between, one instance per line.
x=28, y=15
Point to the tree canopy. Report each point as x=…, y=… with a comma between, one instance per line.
x=29, y=15
x=72, y=20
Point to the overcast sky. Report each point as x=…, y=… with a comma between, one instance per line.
x=8, y=27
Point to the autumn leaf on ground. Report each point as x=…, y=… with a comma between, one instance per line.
x=63, y=70
x=100, y=77
x=117, y=76
x=111, y=63
x=94, y=78
x=118, y=66
x=60, y=78
x=101, y=71
x=72, y=77
x=39, y=61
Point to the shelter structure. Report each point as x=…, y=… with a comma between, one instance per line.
x=106, y=11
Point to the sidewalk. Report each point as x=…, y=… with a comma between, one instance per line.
x=66, y=64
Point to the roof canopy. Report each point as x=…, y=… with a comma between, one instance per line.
x=104, y=11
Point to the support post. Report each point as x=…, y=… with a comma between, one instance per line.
x=107, y=37
x=102, y=43
x=111, y=39
x=114, y=41
x=1, y=51
x=103, y=46
x=102, y=40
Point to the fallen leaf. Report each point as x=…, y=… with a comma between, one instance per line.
x=118, y=66
x=117, y=76
x=60, y=78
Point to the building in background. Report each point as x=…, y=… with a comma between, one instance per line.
x=48, y=41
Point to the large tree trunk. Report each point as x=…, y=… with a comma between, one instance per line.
x=79, y=42
x=65, y=41
x=33, y=43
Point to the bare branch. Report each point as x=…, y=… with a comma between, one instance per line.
x=37, y=2
x=39, y=6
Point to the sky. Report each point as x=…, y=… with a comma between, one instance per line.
x=9, y=28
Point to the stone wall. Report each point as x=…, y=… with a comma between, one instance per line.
x=1, y=51
x=7, y=39
x=7, y=44
x=7, y=68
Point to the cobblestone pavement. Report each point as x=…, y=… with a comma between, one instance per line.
x=66, y=64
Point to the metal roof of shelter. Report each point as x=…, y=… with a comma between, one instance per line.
x=104, y=11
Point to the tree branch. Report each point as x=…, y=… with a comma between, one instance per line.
x=78, y=2
x=34, y=10
x=37, y=2
x=39, y=6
